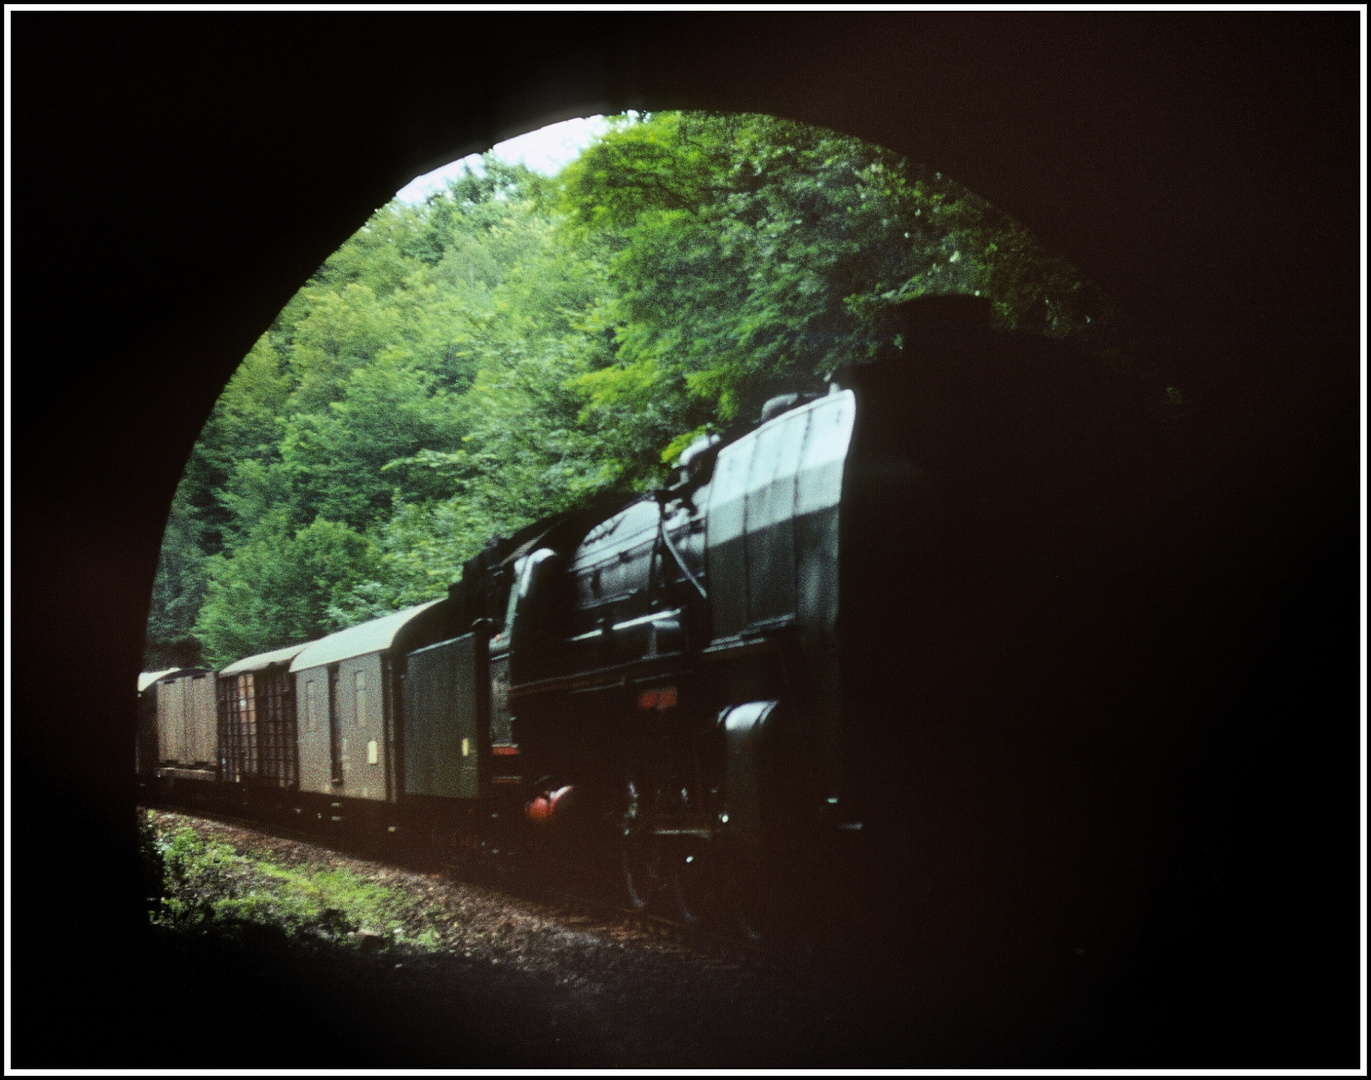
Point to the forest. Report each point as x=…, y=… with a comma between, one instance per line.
x=518, y=343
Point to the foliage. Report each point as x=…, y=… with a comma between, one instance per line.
x=151, y=865
x=283, y=586
x=517, y=343
x=208, y=885
x=178, y=590
x=756, y=256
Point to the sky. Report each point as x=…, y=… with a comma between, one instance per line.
x=545, y=151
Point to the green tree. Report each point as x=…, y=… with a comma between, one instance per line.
x=346, y=328
x=277, y=588
x=178, y=590
x=332, y=462
x=753, y=256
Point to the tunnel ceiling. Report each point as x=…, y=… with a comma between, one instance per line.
x=1176, y=158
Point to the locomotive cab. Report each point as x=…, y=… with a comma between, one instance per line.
x=534, y=615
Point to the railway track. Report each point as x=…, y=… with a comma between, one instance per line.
x=588, y=904
x=579, y=975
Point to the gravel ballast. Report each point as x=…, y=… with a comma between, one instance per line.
x=454, y=974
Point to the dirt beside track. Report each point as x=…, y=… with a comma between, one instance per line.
x=466, y=976
x=501, y=980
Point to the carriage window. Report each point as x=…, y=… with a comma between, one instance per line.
x=309, y=706
x=361, y=699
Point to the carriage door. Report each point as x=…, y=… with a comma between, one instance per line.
x=247, y=733
x=335, y=725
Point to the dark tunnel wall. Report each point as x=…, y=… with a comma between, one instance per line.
x=176, y=177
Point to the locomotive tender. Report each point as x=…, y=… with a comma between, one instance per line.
x=722, y=689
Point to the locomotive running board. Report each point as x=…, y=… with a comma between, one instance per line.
x=699, y=832
x=758, y=638
x=604, y=678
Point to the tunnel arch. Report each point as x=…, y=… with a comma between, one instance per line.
x=1190, y=163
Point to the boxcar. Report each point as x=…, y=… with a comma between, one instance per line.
x=348, y=705
x=186, y=725
x=257, y=721
x=146, y=755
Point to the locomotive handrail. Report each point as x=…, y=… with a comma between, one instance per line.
x=680, y=559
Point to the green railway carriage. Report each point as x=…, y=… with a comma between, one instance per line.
x=350, y=738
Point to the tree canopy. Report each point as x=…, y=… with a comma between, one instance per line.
x=518, y=343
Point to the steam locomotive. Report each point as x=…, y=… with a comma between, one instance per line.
x=737, y=689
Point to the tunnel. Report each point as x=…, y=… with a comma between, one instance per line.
x=176, y=177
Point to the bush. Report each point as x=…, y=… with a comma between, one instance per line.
x=151, y=867
x=200, y=885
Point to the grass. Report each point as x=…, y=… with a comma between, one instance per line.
x=209, y=885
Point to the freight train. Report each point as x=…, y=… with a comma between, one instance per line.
x=731, y=691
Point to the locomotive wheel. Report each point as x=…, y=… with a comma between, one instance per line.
x=639, y=854
x=744, y=913
x=689, y=864
x=689, y=884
